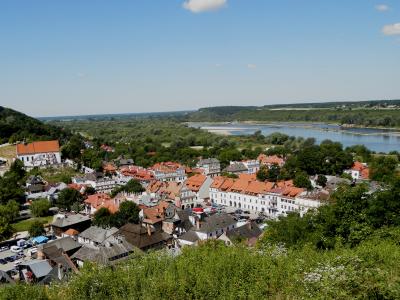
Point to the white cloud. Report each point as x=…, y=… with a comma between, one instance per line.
x=382, y=7
x=80, y=74
x=218, y=65
x=251, y=66
x=391, y=29
x=198, y=6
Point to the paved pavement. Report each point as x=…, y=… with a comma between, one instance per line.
x=11, y=265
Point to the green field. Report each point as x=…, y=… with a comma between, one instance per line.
x=25, y=224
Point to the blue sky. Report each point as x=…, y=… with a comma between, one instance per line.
x=87, y=57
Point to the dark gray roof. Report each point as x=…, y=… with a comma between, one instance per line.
x=98, y=234
x=34, y=180
x=236, y=167
x=39, y=268
x=247, y=231
x=66, y=244
x=208, y=161
x=137, y=235
x=33, y=188
x=4, y=277
x=68, y=220
x=215, y=222
x=103, y=254
x=190, y=236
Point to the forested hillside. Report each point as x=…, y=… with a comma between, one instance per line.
x=360, y=116
x=16, y=126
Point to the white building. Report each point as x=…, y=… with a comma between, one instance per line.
x=262, y=197
x=169, y=171
x=211, y=166
x=39, y=154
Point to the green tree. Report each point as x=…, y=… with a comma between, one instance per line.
x=321, y=180
x=67, y=197
x=273, y=173
x=133, y=186
x=5, y=228
x=128, y=213
x=383, y=168
x=103, y=218
x=10, y=211
x=262, y=174
x=36, y=228
x=10, y=190
x=302, y=180
x=17, y=168
x=73, y=148
x=40, y=207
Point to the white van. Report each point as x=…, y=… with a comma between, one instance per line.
x=32, y=251
x=16, y=249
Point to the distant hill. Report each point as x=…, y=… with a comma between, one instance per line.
x=376, y=113
x=16, y=126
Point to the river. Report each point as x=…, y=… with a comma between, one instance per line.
x=379, y=140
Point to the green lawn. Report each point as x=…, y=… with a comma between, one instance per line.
x=24, y=224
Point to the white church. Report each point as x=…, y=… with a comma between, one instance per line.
x=39, y=154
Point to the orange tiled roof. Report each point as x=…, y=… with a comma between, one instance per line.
x=283, y=183
x=170, y=189
x=38, y=147
x=270, y=160
x=365, y=173
x=249, y=177
x=102, y=200
x=109, y=168
x=167, y=167
x=239, y=185
x=195, y=182
x=156, y=213
x=217, y=182
x=292, y=191
x=71, y=231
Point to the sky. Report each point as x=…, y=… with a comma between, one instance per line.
x=78, y=57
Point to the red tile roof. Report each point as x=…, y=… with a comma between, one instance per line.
x=102, y=200
x=156, y=213
x=362, y=168
x=270, y=160
x=195, y=182
x=38, y=147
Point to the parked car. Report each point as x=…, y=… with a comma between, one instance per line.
x=16, y=249
x=17, y=263
x=3, y=261
x=9, y=259
x=3, y=248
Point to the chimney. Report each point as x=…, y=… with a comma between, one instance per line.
x=249, y=225
x=148, y=229
x=198, y=223
x=60, y=272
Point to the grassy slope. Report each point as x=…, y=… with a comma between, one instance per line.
x=214, y=271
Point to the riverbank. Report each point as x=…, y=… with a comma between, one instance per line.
x=376, y=139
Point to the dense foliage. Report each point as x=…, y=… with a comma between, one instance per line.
x=40, y=207
x=361, y=116
x=36, y=228
x=15, y=126
x=214, y=271
x=67, y=198
x=132, y=187
x=353, y=215
x=128, y=213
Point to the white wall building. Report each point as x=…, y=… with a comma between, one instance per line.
x=39, y=154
